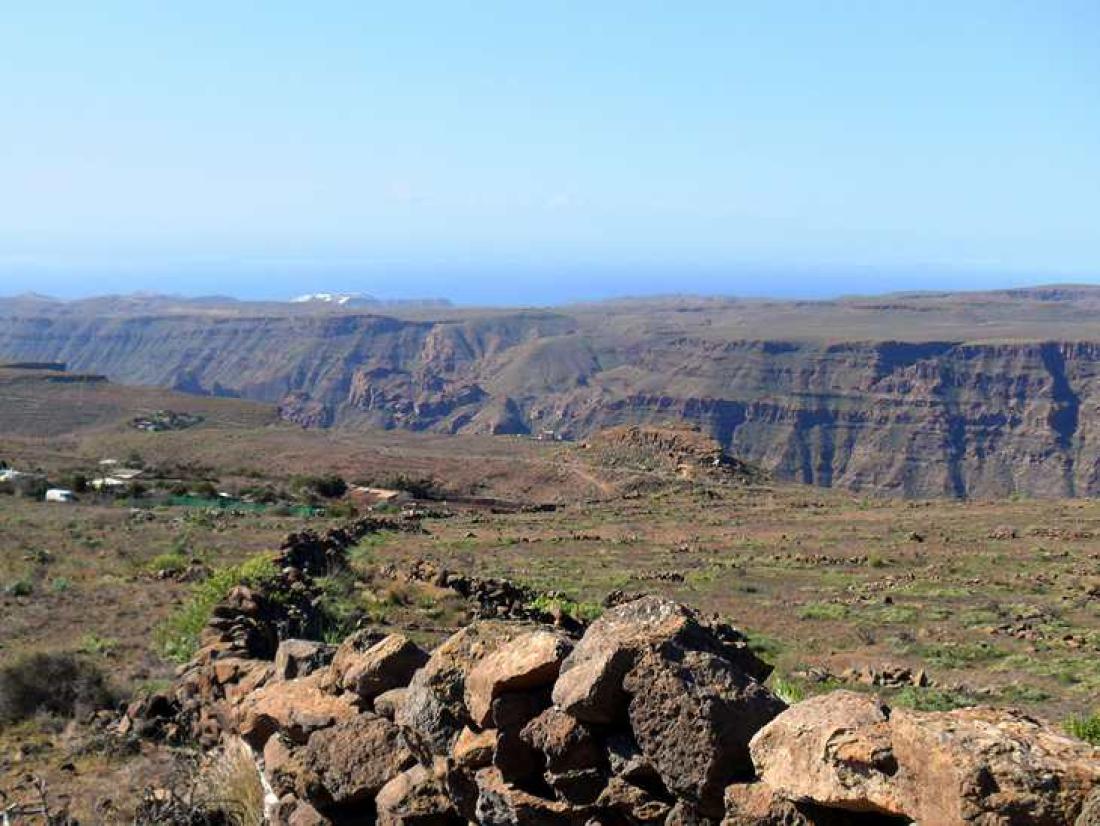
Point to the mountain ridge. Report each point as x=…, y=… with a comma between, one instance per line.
x=964, y=394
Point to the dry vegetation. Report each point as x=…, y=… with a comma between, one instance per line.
x=997, y=601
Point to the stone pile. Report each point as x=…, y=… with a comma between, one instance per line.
x=492, y=598
x=239, y=644
x=649, y=718
x=653, y=715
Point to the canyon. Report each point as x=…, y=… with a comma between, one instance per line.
x=920, y=395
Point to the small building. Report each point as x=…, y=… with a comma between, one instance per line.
x=60, y=495
x=10, y=475
x=108, y=482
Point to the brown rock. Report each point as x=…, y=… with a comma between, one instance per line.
x=984, y=763
x=350, y=761
x=635, y=804
x=386, y=703
x=517, y=760
x=299, y=658
x=825, y=749
x=685, y=813
x=474, y=750
x=248, y=679
x=416, y=797
x=231, y=670
x=305, y=815
x=433, y=710
x=693, y=718
x=590, y=684
x=1090, y=812
x=348, y=653
x=757, y=804
x=566, y=742
x=528, y=662
x=296, y=708
x=500, y=804
x=581, y=787
x=388, y=664
x=282, y=765
x=974, y=765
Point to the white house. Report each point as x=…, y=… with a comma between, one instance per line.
x=10, y=475
x=108, y=482
x=60, y=495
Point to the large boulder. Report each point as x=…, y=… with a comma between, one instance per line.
x=590, y=686
x=433, y=709
x=349, y=762
x=976, y=765
x=348, y=653
x=387, y=664
x=528, y=662
x=833, y=750
x=296, y=708
x=693, y=717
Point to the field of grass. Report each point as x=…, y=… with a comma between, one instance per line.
x=830, y=583
x=996, y=602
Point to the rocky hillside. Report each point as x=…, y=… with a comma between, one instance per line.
x=923, y=395
x=653, y=714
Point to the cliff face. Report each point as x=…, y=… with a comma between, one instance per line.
x=916, y=417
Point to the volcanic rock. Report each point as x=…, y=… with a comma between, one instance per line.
x=693, y=718
x=528, y=662
x=975, y=765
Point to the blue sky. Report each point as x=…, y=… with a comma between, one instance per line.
x=500, y=152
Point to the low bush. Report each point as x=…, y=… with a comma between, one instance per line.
x=19, y=588
x=320, y=487
x=421, y=487
x=170, y=563
x=62, y=684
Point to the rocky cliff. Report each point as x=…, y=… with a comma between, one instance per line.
x=981, y=395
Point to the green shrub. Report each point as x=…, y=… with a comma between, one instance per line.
x=97, y=646
x=19, y=588
x=931, y=699
x=1085, y=728
x=178, y=636
x=53, y=683
x=329, y=486
x=420, y=487
x=824, y=611
x=789, y=691
x=340, y=606
x=582, y=611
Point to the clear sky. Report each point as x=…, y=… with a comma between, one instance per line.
x=522, y=151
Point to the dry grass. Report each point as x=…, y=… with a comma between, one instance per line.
x=230, y=782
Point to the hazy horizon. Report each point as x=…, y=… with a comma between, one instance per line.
x=548, y=288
